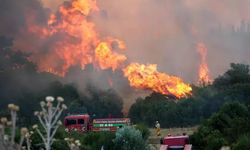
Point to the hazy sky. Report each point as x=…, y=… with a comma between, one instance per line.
x=166, y=32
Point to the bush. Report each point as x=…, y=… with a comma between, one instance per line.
x=95, y=140
x=144, y=130
x=129, y=138
x=223, y=128
x=243, y=143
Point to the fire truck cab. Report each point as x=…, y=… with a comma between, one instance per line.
x=175, y=143
x=77, y=122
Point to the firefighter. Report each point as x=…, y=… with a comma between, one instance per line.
x=158, y=128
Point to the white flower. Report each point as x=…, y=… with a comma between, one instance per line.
x=11, y=106
x=4, y=120
x=24, y=131
x=41, y=113
x=35, y=126
x=78, y=144
x=42, y=103
x=16, y=108
x=60, y=99
x=9, y=123
x=49, y=99
x=59, y=122
x=36, y=113
x=66, y=130
x=6, y=137
x=64, y=106
x=77, y=141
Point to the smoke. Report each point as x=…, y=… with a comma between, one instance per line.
x=163, y=32
x=13, y=15
x=166, y=32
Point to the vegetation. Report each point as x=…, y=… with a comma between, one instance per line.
x=128, y=138
x=230, y=126
x=233, y=86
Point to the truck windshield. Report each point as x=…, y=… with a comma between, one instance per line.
x=70, y=122
x=80, y=121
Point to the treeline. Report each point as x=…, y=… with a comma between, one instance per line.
x=233, y=85
x=229, y=127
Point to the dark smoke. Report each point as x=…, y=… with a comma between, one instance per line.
x=13, y=15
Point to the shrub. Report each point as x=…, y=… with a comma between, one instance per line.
x=129, y=138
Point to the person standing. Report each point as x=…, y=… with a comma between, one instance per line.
x=158, y=128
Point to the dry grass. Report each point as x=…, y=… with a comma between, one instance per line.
x=173, y=131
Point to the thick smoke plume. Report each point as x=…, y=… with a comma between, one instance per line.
x=163, y=32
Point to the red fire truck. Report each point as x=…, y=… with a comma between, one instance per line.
x=175, y=143
x=84, y=123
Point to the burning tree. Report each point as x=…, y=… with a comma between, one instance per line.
x=204, y=77
x=49, y=119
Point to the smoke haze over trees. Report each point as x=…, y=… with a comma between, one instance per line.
x=152, y=33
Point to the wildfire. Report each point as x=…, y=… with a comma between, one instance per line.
x=69, y=38
x=106, y=58
x=147, y=77
x=203, y=69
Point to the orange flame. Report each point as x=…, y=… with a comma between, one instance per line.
x=147, y=77
x=106, y=58
x=69, y=38
x=203, y=69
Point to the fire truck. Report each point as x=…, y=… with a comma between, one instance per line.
x=84, y=123
x=175, y=143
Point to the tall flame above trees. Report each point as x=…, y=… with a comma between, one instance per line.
x=147, y=77
x=70, y=39
x=204, y=77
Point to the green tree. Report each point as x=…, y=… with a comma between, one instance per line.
x=144, y=130
x=128, y=138
x=223, y=128
x=243, y=143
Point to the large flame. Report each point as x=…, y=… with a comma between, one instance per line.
x=147, y=77
x=203, y=68
x=69, y=38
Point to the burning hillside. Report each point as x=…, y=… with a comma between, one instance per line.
x=70, y=38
